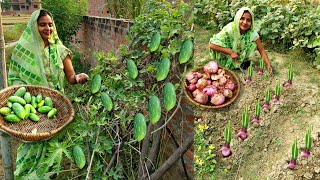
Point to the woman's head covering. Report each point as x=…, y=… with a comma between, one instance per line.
x=235, y=32
x=32, y=63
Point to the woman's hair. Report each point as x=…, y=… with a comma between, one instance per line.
x=246, y=11
x=43, y=13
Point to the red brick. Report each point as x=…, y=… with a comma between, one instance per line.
x=189, y=155
x=190, y=118
x=189, y=168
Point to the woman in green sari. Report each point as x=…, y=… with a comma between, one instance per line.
x=40, y=58
x=236, y=43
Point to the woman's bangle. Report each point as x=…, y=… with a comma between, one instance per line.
x=75, y=80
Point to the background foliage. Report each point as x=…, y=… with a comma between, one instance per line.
x=127, y=9
x=67, y=15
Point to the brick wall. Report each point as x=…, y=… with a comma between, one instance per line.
x=97, y=8
x=100, y=34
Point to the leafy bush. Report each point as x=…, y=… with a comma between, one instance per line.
x=67, y=15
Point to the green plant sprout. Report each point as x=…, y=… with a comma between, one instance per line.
x=261, y=66
x=249, y=78
x=266, y=104
x=243, y=133
x=256, y=120
x=294, y=155
x=290, y=77
x=308, y=142
x=277, y=95
x=226, y=150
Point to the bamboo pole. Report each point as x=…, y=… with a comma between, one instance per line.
x=5, y=139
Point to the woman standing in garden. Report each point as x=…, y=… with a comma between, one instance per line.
x=236, y=43
x=40, y=58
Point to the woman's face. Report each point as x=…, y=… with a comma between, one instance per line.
x=45, y=27
x=245, y=22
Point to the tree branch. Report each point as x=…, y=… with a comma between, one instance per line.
x=172, y=159
x=155, y=145
x=144, y=151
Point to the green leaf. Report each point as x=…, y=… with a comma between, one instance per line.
x=245, y=117
x=227, y=133
x=308, y=140
x=278, y=88
x=258, y=108
x=268, y=94
x=294, y=150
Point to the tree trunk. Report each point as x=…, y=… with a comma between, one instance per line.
x=4, y=138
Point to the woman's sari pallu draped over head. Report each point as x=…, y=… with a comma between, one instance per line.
x=34, y=64
x=229, y=37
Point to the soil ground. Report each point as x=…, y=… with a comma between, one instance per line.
x=265, y=154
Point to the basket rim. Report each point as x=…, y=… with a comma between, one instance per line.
x=38, y=136
x=237, y=83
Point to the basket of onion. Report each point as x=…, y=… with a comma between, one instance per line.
x=211, y=86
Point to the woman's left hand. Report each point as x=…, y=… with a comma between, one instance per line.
x=81, y=78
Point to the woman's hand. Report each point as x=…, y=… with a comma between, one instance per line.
x=269, y=69
x=235, y=56
x=81, y=78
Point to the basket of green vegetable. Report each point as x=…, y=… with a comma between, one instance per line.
x=33, y=113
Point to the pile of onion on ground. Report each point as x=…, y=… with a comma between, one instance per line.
x=210, y=85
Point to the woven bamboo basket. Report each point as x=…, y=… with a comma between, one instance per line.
x=45, y=128
x=209, y=105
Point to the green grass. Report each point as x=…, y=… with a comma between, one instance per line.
x=13, y=32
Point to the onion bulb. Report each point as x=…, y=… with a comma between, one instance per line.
x=201, y=98
x=210, y=67
x=217, y=99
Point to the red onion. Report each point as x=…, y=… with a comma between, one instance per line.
x=266, y=105
x=214, y=77
x=201, y=98
x=192, y=78
x=199, y=75
x=226, y=150
x=206, y=76
x=292, y=164
x=260, y=72
x=256, y=120
x=222, y=81
x=201, y=83
x=276, y=99
x=230, y=85
x=227, y=93
x=215, y=83
x=248, y=80
x=210, y=90
x=243, y=134
x=195, y=92
x=305, y=153
x=211, y=67
x=287, y=83
x=221, y=71
x=191, y=87
x=217, y=99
